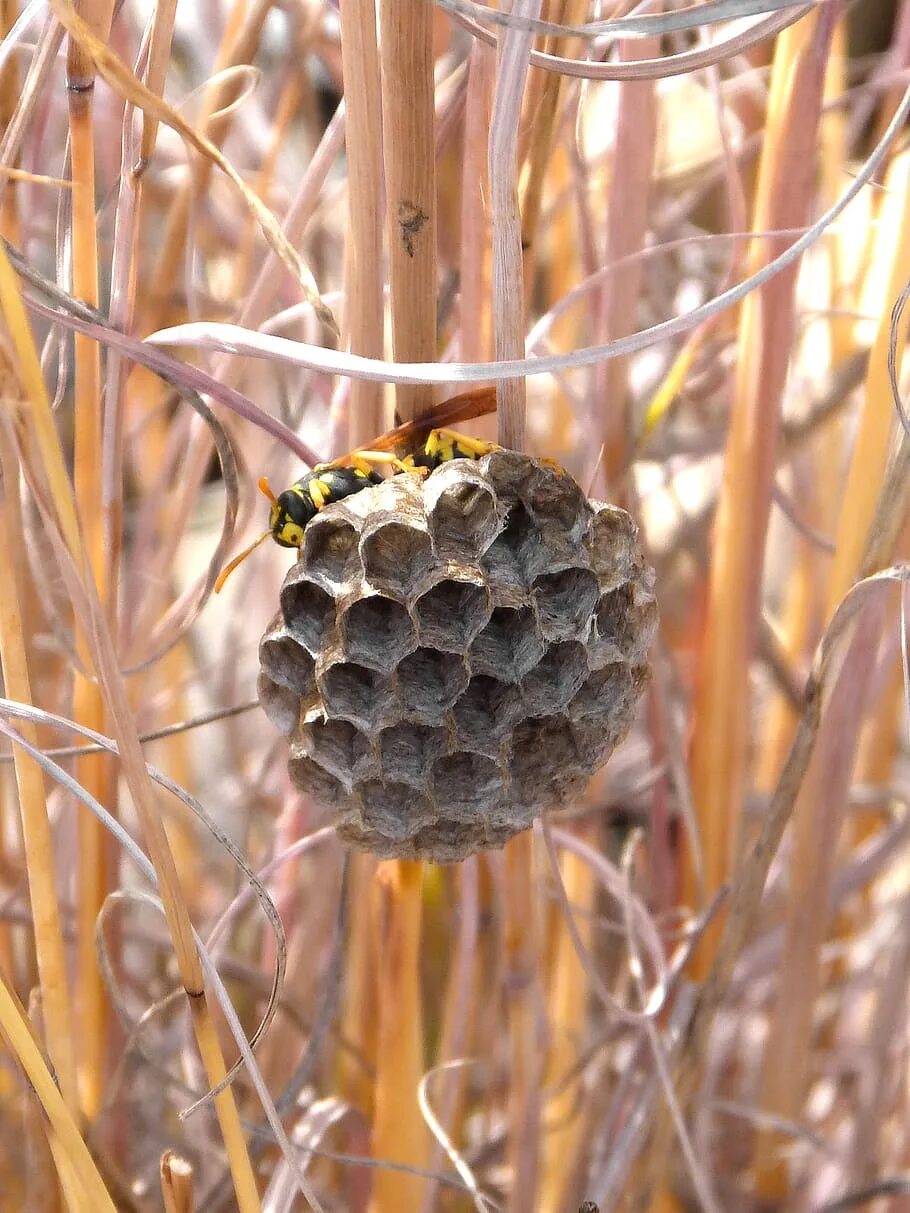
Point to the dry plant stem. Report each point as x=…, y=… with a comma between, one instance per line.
x=83, y=1189
x=399, y=1132
x=542, y=107
x=410, y=188
x=826, y=786
x=91, y=771
x=41, y=438
x=526, y=1061
x=176, y=1183
x=819, y=815
x=241, y=38
x=359, y=1009
x=458, y=1012
x=565, y=1120
x=627, y=226
x=42, y=1190
x=514, y=46
x=9, y=95
x=363, y=269
x=156, y=73
x=36, y=832
x=474, y=277
x=722, y=696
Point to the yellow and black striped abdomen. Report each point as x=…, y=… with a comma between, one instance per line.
x=298, y=505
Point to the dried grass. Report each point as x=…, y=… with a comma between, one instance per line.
x=676, y=240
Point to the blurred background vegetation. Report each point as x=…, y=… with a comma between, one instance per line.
x=690, y=990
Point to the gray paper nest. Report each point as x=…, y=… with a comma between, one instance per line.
x=456, y=655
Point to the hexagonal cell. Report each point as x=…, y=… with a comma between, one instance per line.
x=614, y=545
x=451, y=614
x=508, y=646
x=281, y=705
x=308, y=777
x=429, y=682
x=377, y=632
x=511, y=472
x=407, y=750
x=461, y=511
x=394, y=810
x=307, y=609
x=555, y=680
x=506, y=558
x=624, y=624
x=466, y=786
x=287, y=662
x=330, y=550
x=485, y=713
x=607, y=692
x=554, y=497
x=355, y=693
x=396, y=556
x=338, y=747
x=545, y=762
x=565, y=603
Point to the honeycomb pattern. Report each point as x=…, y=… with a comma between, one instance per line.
x=455, y=656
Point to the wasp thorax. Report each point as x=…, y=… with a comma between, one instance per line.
x=457, y=655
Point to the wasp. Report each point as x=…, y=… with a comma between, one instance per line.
x=291, y=510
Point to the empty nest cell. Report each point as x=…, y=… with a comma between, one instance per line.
x=396, y=556
x=451, y=614
x=377, y=632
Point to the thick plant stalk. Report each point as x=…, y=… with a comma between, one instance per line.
x=399, y=1132
x=566, y=1121
x=410, y=187
x=410, y=183
x=363, y=268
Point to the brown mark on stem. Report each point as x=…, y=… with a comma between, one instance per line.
x=411, y=220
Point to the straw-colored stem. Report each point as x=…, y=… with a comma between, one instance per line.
x=36, y=832
x=818, y=818
x=176, y=1183
x=84, y=1190
x=88, y=704
x=410, y=181
x=542, y=108
x=505, y=218
x=765, y=335
x=564, y=1121
x=822, y=803
x=526, y=1063
x=359, y=1006
x=399, y=1132
x=363, y=267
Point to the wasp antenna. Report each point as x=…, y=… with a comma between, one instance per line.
x=266, y=489
x=239, y=559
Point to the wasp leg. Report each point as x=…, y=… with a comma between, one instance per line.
x=443, y=445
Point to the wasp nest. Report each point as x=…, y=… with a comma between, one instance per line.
x=454, y=656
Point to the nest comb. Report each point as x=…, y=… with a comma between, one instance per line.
x=457, y=655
